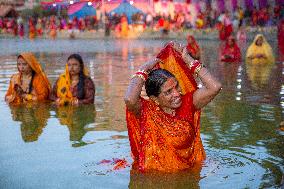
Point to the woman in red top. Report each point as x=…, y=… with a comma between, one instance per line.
x=231, y=52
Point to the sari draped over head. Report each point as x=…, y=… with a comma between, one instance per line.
x=193, y=47
x=265, y=49
x=231, y=53
x=40, y=84
x=163, y=142
x=63, y=91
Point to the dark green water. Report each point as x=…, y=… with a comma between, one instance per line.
x=42, y=146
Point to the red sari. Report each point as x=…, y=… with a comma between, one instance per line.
x=231, y=53
x=192, y=47
x=163, y=142
x=281, y=39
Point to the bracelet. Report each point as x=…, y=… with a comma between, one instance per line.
x=141, y=74
x=195, y=66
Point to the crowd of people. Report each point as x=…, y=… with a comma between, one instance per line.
x=163, y=125
x=225, y=22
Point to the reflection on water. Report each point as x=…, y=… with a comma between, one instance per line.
x=186, y=179
x=32, y=118
x=61, y=147
x=79, y=121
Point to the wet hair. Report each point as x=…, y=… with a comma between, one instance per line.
x=82, y=76
x=156, y=79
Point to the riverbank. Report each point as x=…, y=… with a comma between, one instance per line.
x=136, y=33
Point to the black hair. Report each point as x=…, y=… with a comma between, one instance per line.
x=156, y=79
x=82, y=77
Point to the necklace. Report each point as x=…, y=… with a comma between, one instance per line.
x=25, y=83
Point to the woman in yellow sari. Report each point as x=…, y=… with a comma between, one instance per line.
x=259, y=52
x=30, y=83
x=163, y=129
x=74, y=86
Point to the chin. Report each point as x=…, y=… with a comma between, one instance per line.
x=175, y=106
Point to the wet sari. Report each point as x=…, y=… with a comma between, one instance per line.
x=255, y=50
x=231, y=53
x=40, y=83
x=162, y=142
x=67, y=94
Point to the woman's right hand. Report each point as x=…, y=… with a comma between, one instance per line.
x=148, y=66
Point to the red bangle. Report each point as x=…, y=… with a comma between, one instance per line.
x=142, y=74
x=195, y=66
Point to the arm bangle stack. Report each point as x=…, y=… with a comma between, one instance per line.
x=141, y=74
x=195, y=66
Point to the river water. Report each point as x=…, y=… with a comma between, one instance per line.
x=42, y=146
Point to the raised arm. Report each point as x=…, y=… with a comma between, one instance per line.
x=132, y=95
x=211, y=86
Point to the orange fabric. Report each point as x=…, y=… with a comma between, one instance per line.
x=40, y=85
x=159, y=141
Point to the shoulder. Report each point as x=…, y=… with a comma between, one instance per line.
x=15, y=76
x=88, y=80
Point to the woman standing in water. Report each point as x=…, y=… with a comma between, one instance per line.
x=30, y=83
x=259, y=51
x=74, y=86
x=164, y=130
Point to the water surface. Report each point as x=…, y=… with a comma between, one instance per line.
x=42, y=146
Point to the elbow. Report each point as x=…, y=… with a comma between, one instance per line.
x=128, y=102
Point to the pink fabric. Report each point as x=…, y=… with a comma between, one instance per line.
x=75, y=7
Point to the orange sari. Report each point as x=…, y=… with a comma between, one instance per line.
x=162, y=142
x=40, y=84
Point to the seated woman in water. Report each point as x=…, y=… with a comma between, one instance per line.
x=164, y=130
x=74, y=86
x=259, y=51
x=231, y=52
x=193, y=48
x=30, y=83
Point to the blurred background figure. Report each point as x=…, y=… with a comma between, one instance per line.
x=259, y=52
